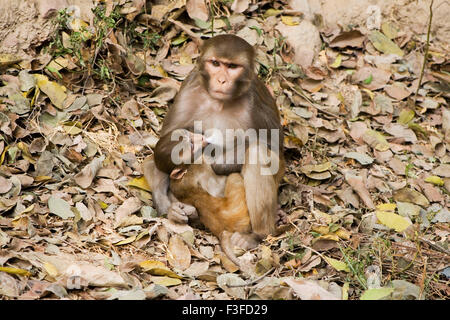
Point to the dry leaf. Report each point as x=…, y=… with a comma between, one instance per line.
x=178, y=255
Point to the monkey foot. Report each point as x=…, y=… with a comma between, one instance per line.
x=282, y=217
x=180, y=212
x=244, y=241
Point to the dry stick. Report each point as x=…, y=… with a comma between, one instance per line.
x=189, y=32
x=304, y=96
x=427, y=44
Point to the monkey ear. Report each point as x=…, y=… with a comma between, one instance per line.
x=177, y=173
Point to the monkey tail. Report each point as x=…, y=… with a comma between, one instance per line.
x=227, y=247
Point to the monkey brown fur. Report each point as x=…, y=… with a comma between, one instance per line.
x=223, y=92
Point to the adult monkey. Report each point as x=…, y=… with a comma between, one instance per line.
x=223, y=92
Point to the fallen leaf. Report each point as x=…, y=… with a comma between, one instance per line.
x=60, y=207
x=53, y=90
x=178, y=255
x=309, y=290
x=140, y=183
x=412, y=196
x=384, y=44
x=17, y=271
x=166, y=281
x=231, y=279
x=364, y=159
x=437, y=181
x=376, y=294
x=393, y=220
x=338, y=265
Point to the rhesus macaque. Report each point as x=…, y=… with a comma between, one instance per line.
x=222, y=92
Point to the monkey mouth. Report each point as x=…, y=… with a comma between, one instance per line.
x=221, y=94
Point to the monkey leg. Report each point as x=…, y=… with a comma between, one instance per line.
x=164, y=201
x=262, y=172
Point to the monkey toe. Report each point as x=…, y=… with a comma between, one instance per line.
x=244, y=241
x=282, y=217
x=179, y=212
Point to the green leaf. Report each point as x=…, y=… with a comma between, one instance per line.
x=337, y=62
x=384, y=44
x=258, y=30
x=338, y=265
x=202, y=24
x=405, y=116
x=368, y=80
x=179, y=40
x=376, y=294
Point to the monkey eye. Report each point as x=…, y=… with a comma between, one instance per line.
x=232, y=66
x=215, y=63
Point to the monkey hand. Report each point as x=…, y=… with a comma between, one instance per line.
x=198, y=141
x=180, y=212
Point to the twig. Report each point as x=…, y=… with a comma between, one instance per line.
x=427, y=44
x=435, y=246
x=304, y=96
x=195, y=37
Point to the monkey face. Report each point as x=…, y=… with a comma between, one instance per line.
x=223, y=77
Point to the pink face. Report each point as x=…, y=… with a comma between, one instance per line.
x=223, y=75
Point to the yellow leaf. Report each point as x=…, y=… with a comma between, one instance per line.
x=126, y=241
x=102, y=204
x=290, y=20
x=345, y=288
x=55, y=92
x=2, y=157
x=338, y=265
x=387, y=207
x=435, y=180
x=343, y=233
x=42, y=178
x=20, y=222
x=271, y=12
x=166, y=281
x=337, y=62
x=376, y=140
x=321, y=229
x=405, y=116
x=376, y=293
x=332, y=237
x=140, y=183
x=17, y=271
x=185, y=59
x=151, y=264
x=384, y=44
x=393, y=220
x=58, y=63
x=51, y=269
x=72, y=130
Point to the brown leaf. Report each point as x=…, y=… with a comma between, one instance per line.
x=5, y=185
x=197, y=9
x=397, y=90
x=309, y=290
x=85, y=177
x=178, y=254
x=412, y=196
x=352, y=38
x=379, y=77
x=358, y=185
